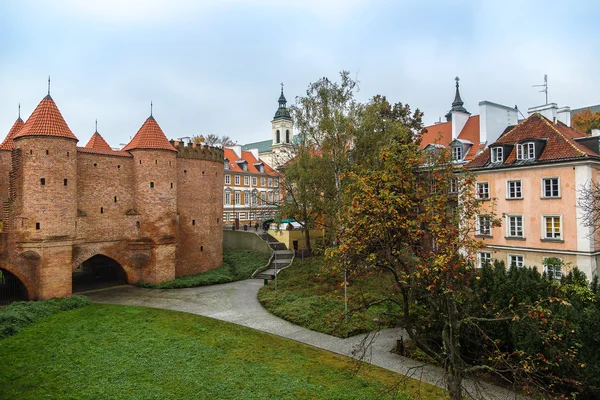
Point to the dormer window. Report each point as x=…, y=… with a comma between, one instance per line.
x=226, y=164
x=526, y=151
x=497, y=154
x=457, y=153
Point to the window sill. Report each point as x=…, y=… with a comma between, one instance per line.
x=550, y=198
x=480, y=236
x=483, y=199
x=514, y=198
x=552, y=240
x=514, y=238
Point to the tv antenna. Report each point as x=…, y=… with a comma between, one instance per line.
x=545, y=87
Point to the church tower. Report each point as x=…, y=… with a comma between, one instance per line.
x=282, y=128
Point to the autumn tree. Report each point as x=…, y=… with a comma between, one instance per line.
x=412, y=217
x=585, y=121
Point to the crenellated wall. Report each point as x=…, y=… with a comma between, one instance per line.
x=156, y=212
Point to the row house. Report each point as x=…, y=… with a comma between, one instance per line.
x=532, y=176
x=251, y=189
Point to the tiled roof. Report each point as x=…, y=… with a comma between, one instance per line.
x=103, y=152
x=439, y=133
x=97, y=142
x=8, y=143
x=470, y=132
x=249, y=158
x=150, y=136
x=560, y=143
x=46, y=120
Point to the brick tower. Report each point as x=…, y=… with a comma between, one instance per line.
x=44, y=198
x=155, y=198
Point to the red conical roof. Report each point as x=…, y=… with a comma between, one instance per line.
x=150, y=136
x=8, y=143
x=97, y=142
x=46, y=120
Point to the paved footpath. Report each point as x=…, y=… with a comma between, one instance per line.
x=237, y=303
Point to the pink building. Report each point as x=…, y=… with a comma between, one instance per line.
x=534, y=173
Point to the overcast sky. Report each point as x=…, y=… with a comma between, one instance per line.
x=216, y=66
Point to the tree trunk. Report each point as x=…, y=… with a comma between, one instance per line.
x=307, y=241
x=454, y=384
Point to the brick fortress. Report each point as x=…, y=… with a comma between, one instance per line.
x=149, y=212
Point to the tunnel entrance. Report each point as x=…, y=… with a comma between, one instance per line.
x=11, y=288
x=98, y=272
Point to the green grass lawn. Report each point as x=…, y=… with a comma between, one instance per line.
x=123, y=352
x=237, y=265
x=309, y=296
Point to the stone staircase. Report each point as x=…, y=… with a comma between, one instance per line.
x=281, y=259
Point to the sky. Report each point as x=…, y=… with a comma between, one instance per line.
x=216, y=66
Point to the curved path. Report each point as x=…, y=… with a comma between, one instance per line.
x=237, y=303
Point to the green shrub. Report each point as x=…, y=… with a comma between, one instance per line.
x=237, y=265
x=18, y=315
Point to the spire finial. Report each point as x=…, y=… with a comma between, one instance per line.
x=150, y=107
x=19, y=110
x=48, y=85
x=457, y=79
x=281, y=87
x=96, y=125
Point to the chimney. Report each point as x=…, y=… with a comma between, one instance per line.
x=564, y=115
x=549, y=111
x=595, y=132
x=493, y=120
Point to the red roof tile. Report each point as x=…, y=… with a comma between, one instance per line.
x=249, y=158
x=150, y=136
x=439, y=134
x=470, y=132
x=8, y=143
x=560, y=143
x=97, y=142
x=46, y=120
x=103, y=152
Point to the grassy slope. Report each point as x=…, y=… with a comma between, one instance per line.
x=237, y=265
x=309, y=296
x=120, y=352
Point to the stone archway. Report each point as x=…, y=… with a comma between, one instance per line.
x=11, y=288
x=98, y=272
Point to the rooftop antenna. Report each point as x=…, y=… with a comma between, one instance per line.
x=545, y=87
x=517, y=108
x=48, y=85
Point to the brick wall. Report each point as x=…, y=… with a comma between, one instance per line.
x=200, y=206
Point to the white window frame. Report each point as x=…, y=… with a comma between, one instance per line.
x=544, y=194
x=246, y=198
x=237, y=198
x=553, y=233
x=276, y=182
x=487, y=231
x=486, y=192
x=481, y=258
x=509, y=261
x=237, y=179
x=228, y=179
x=497, y=154
x=246, y=181
x=254, y=181
x=508, y=226
x=454, y=185
x=270, y=182
x=227, y=216
x=262, y=182
x=457, y=153
x=508, y=191
x=226, y=164
x=227, y=198
x=526, y=151
x=554, y=274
